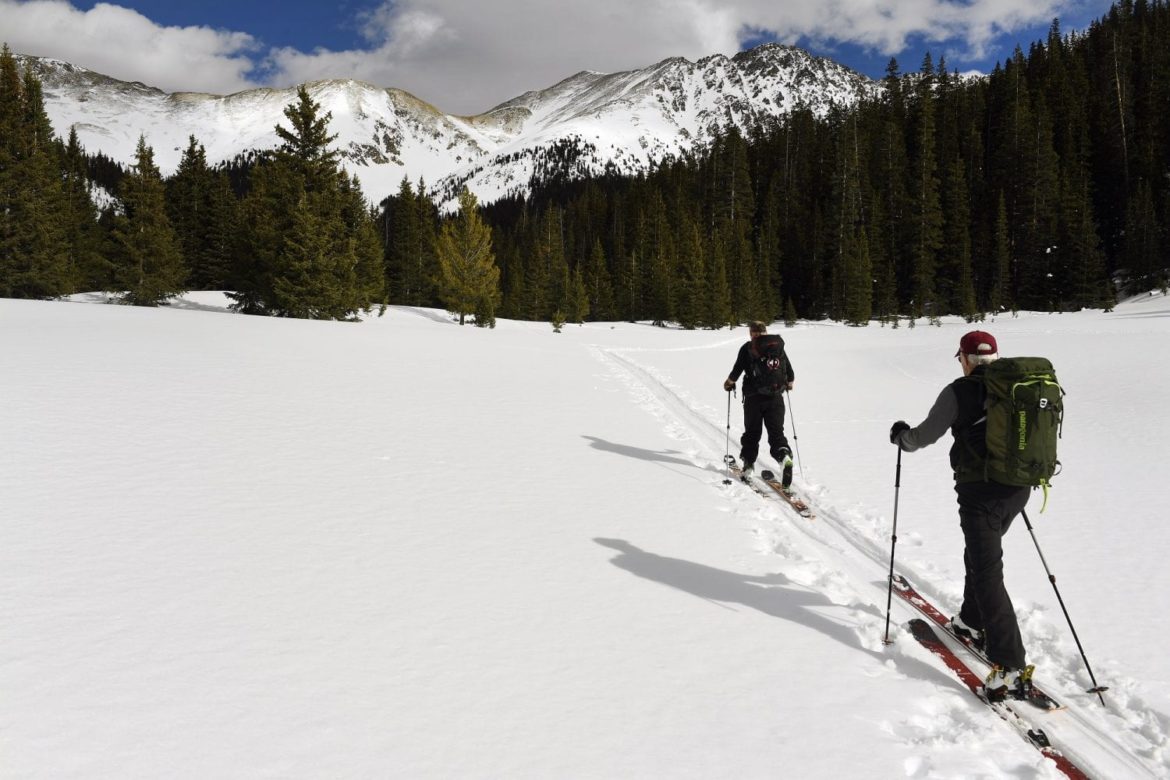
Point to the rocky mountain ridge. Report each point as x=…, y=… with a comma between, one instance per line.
x=587, y=124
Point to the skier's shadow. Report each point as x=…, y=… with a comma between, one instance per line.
x=772, y=594
x=656, y=456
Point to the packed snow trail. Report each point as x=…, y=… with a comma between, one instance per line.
x=850, y=566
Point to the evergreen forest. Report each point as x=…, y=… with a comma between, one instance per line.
x=1043, y=186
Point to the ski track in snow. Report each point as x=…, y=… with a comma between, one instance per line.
x=845, y=554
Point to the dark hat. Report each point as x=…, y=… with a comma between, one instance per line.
x=977, y=342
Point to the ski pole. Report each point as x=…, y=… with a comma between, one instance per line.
x=893, y=543
x=795, y=438
x=727, y=449
x=1097, y=689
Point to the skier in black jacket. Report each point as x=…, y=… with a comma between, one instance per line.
x=760, y=409
x=986, y=511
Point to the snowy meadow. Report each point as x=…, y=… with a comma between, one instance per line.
x=238, y=546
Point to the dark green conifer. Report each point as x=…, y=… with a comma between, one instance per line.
x=926, y=214
x=88, y=267
x=1000, y=297
x=598, y=285
x=35, y=258
x=694, y=298
x=340, y=267
x=469, y=278
x=148, y=261
x=956, y=281
x=202, y=211
x=577, y=298
x=1143, y=258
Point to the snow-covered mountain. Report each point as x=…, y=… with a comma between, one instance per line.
x=588, y=123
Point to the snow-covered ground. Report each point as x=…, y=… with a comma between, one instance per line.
x=245, y=547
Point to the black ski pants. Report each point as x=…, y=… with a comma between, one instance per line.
x=986, y=511
x=759, y=412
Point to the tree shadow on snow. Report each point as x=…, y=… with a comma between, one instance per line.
x=773, y=594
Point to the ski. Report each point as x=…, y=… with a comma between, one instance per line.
x=926, y=636
x=902, y=586
x=769, y=479
x=786, y=493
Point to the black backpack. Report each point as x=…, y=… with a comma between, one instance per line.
x=769, y=368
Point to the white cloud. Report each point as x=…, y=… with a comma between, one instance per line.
x=887, y=27
x=467, y=57
x=124, y=44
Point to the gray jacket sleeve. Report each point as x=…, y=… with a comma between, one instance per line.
x=942, y=416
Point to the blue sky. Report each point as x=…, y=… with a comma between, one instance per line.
x=304, y=25
x=466, y=56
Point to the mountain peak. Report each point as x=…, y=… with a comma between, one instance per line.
x=586, y=124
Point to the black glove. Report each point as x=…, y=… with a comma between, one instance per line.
x=728, y=385
x=896, y=430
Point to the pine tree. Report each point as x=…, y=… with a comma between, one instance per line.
x=693, y=296
x=1040, y=283
x=789, y=314
x=148, y=261
x=87, y=266
x=1000, y=296
x=659, y=270
x=885, y=293
x=509, y=256
x=302, y=290
x=1143, y=259
x=598, y=285
x=956, y=282
x=401, y=229
x=1082, y=255
x=577, y=298
x=408, y=219
x=469, y=282
x=422, y=257
x=893, y=209
x=306, y=146
x=547, y=271
x=851, y=293
x=360, y=249
x=202, y=211
x=332, y=274
x=927, y=210
x=35, y=257
x=719, y=312
x=858, y=303
x=733, y=212
x=770, y=248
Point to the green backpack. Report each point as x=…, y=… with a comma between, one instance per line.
x=1025, y=411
